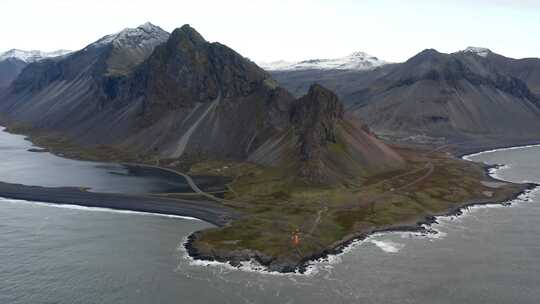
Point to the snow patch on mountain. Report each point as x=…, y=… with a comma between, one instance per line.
x=359, y=61
x=31, y=56
x=480, y=51
x=141, y=36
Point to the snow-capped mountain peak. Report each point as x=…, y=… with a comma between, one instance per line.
x=480, y=51
x=360, y=55
x=145, y=34
x=359, y=61
x=31, y=56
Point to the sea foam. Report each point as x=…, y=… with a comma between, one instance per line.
x=95, y=209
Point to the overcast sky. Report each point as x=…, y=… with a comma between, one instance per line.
x=268, y=30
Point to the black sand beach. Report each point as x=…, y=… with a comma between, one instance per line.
x=205, y=210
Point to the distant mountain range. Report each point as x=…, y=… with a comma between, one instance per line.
x=359, y=61
x=475, y=97
x=31, y=56
x=459, y=97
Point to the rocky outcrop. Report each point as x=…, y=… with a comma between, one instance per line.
x=324, y=145
x=333, y=147
x=315, y=119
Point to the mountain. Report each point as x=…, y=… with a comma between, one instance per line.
x=204, y=100
x=465, y=96
x=358, y=61
x=342, y=75
x=184, y=98
x=324, y=145
x=66, y=93
x=345, y=83
x=152, y=94
x=13, y=62
x=460, y=97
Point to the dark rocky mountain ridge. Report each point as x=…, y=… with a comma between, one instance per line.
x=184, y=98
x=526, y=69
x=473, y=96
x=185, y=89
x=460, y=97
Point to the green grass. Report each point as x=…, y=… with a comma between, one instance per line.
x=282, y=204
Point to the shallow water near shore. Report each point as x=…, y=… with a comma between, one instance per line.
x=19, y=166
x=491, y=254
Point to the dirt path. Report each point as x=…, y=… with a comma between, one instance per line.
x=188, y=179
x=317, y=220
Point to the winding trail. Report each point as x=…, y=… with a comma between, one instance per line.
x=317, y=220
x=190, y=182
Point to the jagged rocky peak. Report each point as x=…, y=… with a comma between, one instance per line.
x=186, y=34
x=315, y=117
x=31, y=56
x=480, y=51
x=145, y=34
x=427, y=55
x=331, y=146
x=320, y=107
x=201, y=71
x=129, y=47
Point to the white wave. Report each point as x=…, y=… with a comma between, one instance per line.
x=95, y=209
x=388, y=246
x=495, y=172
x=246, y=266
x=470, y=156
x=429, y=233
